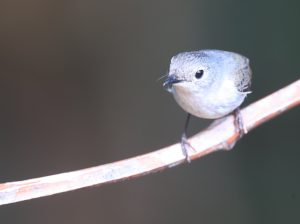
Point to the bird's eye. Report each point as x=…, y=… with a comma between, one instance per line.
x=199, y=74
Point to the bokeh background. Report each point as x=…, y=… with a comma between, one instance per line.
x=78, y=88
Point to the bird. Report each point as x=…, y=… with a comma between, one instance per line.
x=209, y=84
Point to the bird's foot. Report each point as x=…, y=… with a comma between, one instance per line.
x=239, y=123
x=185, y=146
x=240, y=128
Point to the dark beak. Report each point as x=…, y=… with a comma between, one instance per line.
x=170, y=80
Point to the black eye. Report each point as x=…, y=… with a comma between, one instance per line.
x=199, y=74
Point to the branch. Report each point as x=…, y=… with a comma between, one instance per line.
x=210, y=140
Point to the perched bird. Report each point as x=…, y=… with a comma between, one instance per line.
x=209, y=84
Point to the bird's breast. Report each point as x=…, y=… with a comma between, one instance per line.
x=208, y=103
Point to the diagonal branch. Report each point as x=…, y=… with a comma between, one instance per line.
x=212, y=139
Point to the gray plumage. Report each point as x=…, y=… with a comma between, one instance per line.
x=209, y=83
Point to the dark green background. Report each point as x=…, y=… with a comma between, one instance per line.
x=78, y=88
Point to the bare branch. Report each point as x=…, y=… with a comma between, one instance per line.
x=210, y=140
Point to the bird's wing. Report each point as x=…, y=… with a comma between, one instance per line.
x=243, y=79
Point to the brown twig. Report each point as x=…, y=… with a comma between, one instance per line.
x=208, y=141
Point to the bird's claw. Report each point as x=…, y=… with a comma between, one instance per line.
x=239, y=123
x=184, y=145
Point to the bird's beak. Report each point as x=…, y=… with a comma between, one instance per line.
x=170, y=80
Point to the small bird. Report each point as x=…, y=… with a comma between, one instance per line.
x=209, y=84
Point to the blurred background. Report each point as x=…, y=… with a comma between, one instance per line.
x=78, y=88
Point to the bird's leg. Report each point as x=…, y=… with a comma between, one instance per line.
x=184, y=141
